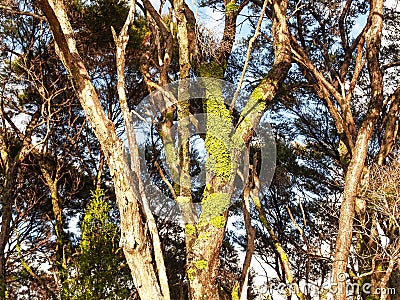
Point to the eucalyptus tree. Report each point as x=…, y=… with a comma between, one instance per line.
x=337, y=74
x=45, y=135
x=316, y=60
x=349, y=71
x=203, y=261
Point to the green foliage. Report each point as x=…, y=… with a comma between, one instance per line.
x=101, y=15
x=101, y=270
x=139, y=32
x=23, y=98
x=97, y=17
x=16, y=66
x=96, y=222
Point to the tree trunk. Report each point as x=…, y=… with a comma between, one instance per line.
x=391, y=128
x=356, y=166
x=59, y=229
x=252, y=184
x=134, y=240
x=6, y=214
x=207, y=236
x=6, y=197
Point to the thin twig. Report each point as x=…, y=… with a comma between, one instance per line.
x=166, y=181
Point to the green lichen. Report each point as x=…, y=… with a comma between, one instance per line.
x=381, y=268
x=190, y=274
x=235, y=292
x=281, y=252
x=257, y=202
x=220, y=160
x=183, y=199
x=219, y=129
x=169, y=116
x=171, y=155
x=237, y=142
x=218, y=221
x=204, y=235
x=190, y=229
x=231, y=7
x=214, y=205
x=201, y=264
x=211, y=70
x=219, y=144
x=256, y=104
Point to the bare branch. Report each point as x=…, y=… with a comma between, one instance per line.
x=24, y=13
x=246, y=62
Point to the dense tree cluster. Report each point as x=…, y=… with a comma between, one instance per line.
x=81, y=159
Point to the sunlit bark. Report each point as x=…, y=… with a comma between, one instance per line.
x=135, y=242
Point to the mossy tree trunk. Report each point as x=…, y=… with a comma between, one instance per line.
x=204, y=239
x=223, y=147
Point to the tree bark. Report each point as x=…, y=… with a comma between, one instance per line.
x=391, y=128
x=355, y=169
x=134, y=240
x=265, y=92
x=250, y=230
x=6, y=215
x=121, y=42
x=10, y=166
x=59, y=229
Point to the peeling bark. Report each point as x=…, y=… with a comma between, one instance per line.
x=134, y=240
x=355, y=169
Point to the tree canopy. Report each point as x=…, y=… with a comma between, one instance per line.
x=145, y=154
